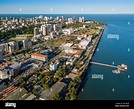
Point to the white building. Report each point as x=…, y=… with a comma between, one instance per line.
x=81, y=19
x=67, y=31
x=53, y=66
x=67, y=46
x=44, y=30
x=83, y=44
x=36, y=31
x=4, y=74
x=70, y=20
x=71, y=61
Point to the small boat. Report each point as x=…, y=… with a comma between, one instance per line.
x=82, y=89
x=113, y=89
x=116, y=71
x=113, y=63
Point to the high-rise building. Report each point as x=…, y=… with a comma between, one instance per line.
x=45, y=30
x=70, y=20
x=36, y=31
x=81, y=19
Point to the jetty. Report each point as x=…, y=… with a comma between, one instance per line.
x=119, y=68
x=107, y=65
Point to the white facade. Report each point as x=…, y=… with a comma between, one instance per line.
x=81, y=19
x=68, y=31
x=70, y=20
x=53, y=66
x=83, y=44
x=5, y=74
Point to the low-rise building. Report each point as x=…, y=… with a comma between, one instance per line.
x=71, y=61
x=59, y=87
x=83, y=44
x=39, y=56
x=78, y=53
x=68, y=31
x=5, y=74
x=20, y=94
x=15, y=68
x=67, y=46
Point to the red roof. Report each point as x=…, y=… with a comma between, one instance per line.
x=39, y=55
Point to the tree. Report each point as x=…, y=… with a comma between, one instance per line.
x=45, y=86
x=73, y=93
x=77, y=80
x=56, y=96
x=48, y=73
x=40, y=77
x=35, y=91
x=21, y=80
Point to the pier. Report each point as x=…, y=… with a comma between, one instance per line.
x=107, y=65
x=119, y=68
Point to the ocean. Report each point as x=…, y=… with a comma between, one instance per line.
x=118, y=50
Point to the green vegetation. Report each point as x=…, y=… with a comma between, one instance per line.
x=46, y=86
x=60, y=40
x=21, y=80
x=74, y=25
x=35, y=91
x=12, y=33
x=56, y=96
x=62, y=71
x=71, y=95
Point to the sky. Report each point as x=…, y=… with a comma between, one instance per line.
x=66, y=6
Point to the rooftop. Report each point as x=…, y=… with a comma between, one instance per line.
x=56, y=88
x=78, y=52
x=40, y=55
x=84, y=43
x=14, y=65
x=19, y=94
x=68, y=44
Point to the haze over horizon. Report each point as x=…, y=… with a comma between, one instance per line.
x=66, y=7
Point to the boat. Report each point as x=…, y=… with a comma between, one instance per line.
x=116, y=71
x=113, y=89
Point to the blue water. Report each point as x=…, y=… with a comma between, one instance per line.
x=110, y=50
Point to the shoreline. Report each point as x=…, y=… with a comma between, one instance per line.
x=83, y=74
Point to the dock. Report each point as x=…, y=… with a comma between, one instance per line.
x=107, y=65
x=119, y=68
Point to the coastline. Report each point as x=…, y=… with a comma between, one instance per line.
x=83, y=74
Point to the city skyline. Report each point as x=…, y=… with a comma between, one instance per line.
x=67, y=7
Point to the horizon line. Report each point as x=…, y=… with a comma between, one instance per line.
x=67, y=13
